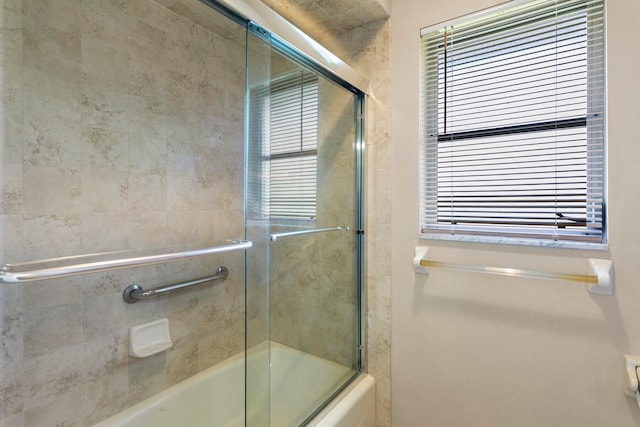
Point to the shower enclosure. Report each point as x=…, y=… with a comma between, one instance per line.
x=153, y=142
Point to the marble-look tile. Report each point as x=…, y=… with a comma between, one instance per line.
x=181, y=127
x=182, y=193
x=45, y=46
x=11, y=189
x=11, y=245
x=103, y=316
x=61, y=411
x=52, y=134
x=105, y=63
x=54, y=328
x=53, y=375
x=146, y=42
x=104, y=107
x=104, y=190
x=147, y=153
x=182, y=158
x=147, y=192
x=182, y=362
x=105, y=21
x=11, y=391
x=50, y=236
x=220, y=346
x=11, y=87
x=105, y=148
x=107, y=384
x=11, y=340
x=104, y=232
x=13, y=421
x=50, y=190
x=147, y=81
x=106, y=282
x=146, y=230
x=147, y=376
x=62, y=15
x=183, y=229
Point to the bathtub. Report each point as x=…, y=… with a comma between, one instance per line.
x=215, y=397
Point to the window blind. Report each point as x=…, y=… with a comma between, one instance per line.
x=290, y=151
x=513, y=124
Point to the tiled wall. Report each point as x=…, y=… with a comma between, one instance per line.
x=122, y=128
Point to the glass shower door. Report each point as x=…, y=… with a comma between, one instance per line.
x=303, y=200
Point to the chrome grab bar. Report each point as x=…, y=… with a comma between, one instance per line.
x=276, y=236
x=9, y=276
x=134, y=293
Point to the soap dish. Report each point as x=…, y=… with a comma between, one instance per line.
x=149, y=338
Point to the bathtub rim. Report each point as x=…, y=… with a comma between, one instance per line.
x=325, y=410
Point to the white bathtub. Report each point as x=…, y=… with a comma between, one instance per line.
x=297, y=385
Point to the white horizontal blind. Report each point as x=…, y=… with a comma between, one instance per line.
x=513, y=124
x=290, y=154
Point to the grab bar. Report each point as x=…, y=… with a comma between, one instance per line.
x=8, y=276
x=276, y=236
x=134, y=293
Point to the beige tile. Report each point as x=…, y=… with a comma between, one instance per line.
x=48, y=47
x=104, y=316
x=105, y=148
x=61, y=411
x=104, y=190
x=62, y=15
x=13, y=421
x=182, y=228
x=50, y=190
x=105, y=232
x=104, y=106
x=148, y=153
x=105, y=63
x=106, y=282
x=11, y=189
x=105, y=22
x=182, y=193
x=107, y=384
x=182, y=362
x=182, y=158
x=11, y=246
x=147, y=376
x=52, y=329
x=147, y=230
x=147, y=192
x=52, y=376
x=11, y=391
x=50, y=236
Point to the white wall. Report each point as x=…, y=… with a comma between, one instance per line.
x=477, y=350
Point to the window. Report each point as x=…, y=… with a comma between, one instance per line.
x=512, y=108
x=289, y=146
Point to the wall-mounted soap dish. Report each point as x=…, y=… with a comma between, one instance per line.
x=149, y=338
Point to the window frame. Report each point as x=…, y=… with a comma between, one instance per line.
x=429, y=226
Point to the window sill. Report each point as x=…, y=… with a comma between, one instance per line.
x=515, y=241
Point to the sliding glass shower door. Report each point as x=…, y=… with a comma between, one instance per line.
x=304, y=181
